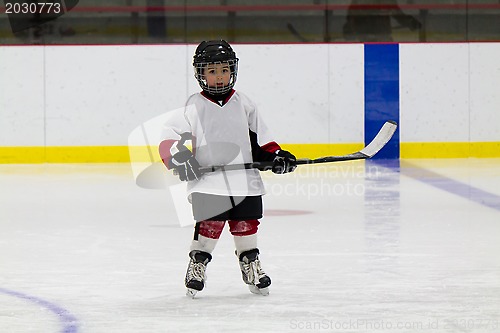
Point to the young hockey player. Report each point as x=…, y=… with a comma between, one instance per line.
x=224, y=128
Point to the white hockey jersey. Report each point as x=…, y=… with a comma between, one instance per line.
x=220, y=136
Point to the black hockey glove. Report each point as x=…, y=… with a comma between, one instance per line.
x=284, y=162
x=185, y=165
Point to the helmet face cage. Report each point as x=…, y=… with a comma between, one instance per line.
x=199, y=73
x=215, y=52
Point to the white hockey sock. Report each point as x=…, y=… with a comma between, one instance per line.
x=245, y=243
x=204, y=244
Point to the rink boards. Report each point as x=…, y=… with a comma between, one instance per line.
x=82, y=103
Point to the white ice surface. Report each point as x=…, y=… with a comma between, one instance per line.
x=349, y=247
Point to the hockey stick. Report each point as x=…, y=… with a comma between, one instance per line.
x=380, y=140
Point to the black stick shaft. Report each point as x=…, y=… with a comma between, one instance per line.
x=380, y=140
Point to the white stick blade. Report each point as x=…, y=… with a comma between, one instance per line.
x=382, y=137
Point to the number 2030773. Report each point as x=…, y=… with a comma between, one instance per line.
x=33, y=7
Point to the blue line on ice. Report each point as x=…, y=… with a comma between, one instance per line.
x=444, y=183
x=70, y=323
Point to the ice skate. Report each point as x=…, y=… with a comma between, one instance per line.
x=253, y=274
x=195, y=275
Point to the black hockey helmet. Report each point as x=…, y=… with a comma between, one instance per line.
x=214, y=52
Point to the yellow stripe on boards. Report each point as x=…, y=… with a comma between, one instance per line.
x=22, y=155
x=449, y=149
x=86, y=154
x=434, y=149
x=301, y=150
x=485, y=149
x=124, y=154
x=117, y=154
x=66, y=154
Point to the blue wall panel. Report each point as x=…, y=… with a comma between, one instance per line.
x=382, y=93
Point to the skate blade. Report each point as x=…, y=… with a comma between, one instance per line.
x=191, y=292
x=257, y=291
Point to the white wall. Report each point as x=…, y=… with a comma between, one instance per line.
x=96, y=95
x=450, y=92
x=22, y=97
x=485, y=92
x=434, y=97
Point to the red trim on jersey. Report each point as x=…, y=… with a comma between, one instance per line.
x=207, y=96
x=204, y=94
x=166, y=145
x=164, y=150
x=271, y=147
